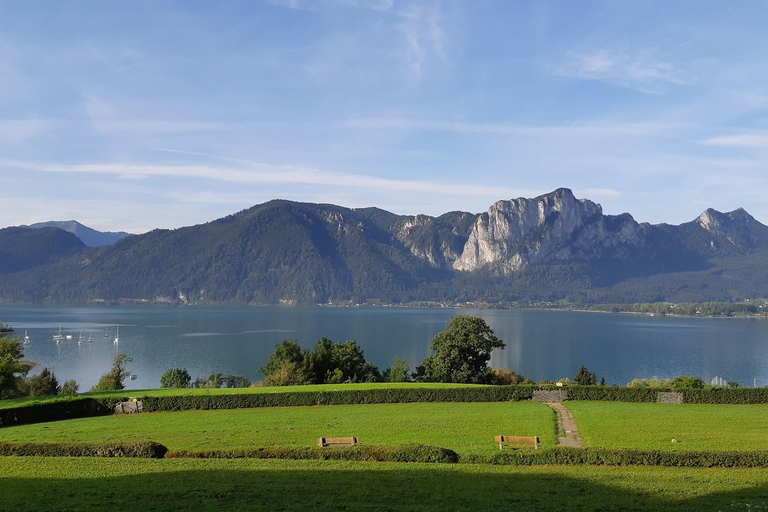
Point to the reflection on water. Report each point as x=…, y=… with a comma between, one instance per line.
x=540, y=344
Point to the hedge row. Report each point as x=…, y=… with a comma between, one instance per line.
x=139, y=449
x=398, y=453
x=341, y=397
x=624, y=457
x=726, y=396
x=86, y=407
x=59, y=410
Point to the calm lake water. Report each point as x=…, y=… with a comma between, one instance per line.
x=540, y=344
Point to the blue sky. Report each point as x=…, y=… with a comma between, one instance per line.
x=143, y=114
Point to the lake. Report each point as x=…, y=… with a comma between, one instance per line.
x=540, y=344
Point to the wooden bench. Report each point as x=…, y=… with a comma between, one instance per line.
x=322, y=442
x=517, y=441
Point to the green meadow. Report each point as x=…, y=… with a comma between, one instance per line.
x=463, y=427
x=53, y=484
x=654, y=426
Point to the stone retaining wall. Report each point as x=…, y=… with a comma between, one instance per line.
x=671, y=397
x=557, y=395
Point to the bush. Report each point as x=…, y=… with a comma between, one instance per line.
x=625, y=457
x=139, y=449
x=398, y=453
x=175, y=378
x=69, y=388
x=58, y=410
x=44, y=384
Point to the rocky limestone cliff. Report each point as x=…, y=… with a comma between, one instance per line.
x=550, y=228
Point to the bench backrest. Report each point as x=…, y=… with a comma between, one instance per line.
x=501, y=440
x=338, y=441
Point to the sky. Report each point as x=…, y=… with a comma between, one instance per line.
x=140, y=115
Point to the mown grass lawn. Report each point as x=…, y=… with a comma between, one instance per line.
x=463, y=427
x=51, y=484
x=653, y=426
x=16, y=402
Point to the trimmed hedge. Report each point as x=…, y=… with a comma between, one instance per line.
x=341, y=397
x=398, y=453
x=613, y=393
x=139, y=449
x=59, y=410
x=624, y=457
x=726, y=396
x=86, y=406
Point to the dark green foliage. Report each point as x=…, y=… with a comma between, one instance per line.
x=335, y=363
x=175, y=378
x=683, y=382
x=362, y=452
x=11, y=368
x=22, y=248
x=400, y=371
x=214, y=380
x=625, y=457
x=114, y=379
x=235, y=381
x=584, y=377
x=329, y=363
x=138, y=449
x=44, y=384
x=69, y=388
x=342, y=397
x=59, y=410
x=461, y=353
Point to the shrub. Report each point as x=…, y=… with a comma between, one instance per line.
x=624, y=457
x=397, y=453
x=175, y=378
x=114, y=379
x=44, y=384
x=69, y=388
x=139, y=449
x=506, y=377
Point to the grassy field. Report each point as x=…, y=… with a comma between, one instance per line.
x=653, y=426
x=186, y=484
x=463, y=427
x=16, y=402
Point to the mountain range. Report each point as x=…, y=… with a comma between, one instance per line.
x=552, y=247
x=88, y=236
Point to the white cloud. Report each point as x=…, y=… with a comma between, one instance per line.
x=755, y=140
x=24, y=129
x=268, y=174
x=642, y=129
x=602, y=192
x=639, y=69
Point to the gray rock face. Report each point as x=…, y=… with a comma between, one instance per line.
x=550, y=228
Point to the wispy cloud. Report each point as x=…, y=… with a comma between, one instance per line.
x=638, y=69
x=602, y=192
x=267, y=173
x=643, y=129
x=755, y=140
x=24, y=129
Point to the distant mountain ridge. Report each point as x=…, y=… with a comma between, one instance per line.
x=551, y=247
x=89, y=236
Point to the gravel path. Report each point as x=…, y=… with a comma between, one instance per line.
x=568, y=432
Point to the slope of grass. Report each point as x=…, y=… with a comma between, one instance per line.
x=17, y=402
x=654, y=426
x=463, y=427
x=186, y=484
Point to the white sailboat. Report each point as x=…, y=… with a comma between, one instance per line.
x=90, y=336
x=117, y=335
x=58, y=337
x=26, y=337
